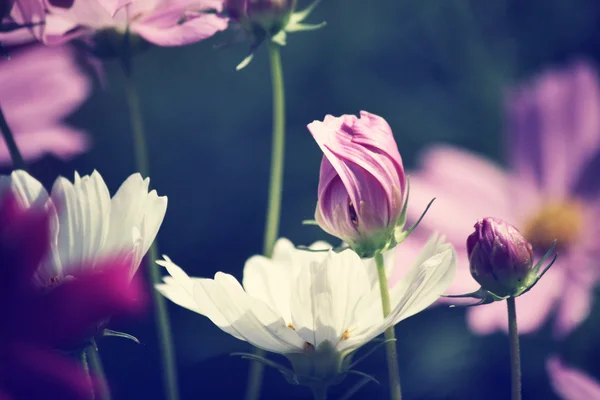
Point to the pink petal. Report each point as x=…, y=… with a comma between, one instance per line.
x=574, y=306
x=555, y=127
x=163, y=27
x=41, y=84
x=571, y=384
x=59, y=140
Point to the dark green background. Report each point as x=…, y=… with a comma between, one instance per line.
x=434, y=69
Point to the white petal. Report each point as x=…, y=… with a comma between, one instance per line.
x=179, y=287
x=28, y=190
x=432, y=274
x=227, y=305
x=83, y=210
x=330, y=297
x=132, y=207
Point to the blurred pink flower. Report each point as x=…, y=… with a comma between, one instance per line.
x=361, y=183
x=40, y=87
x=554, y=132
x=571, y=384
x=37, y=321
x=162, y=22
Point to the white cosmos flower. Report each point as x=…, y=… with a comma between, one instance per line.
x=87, y=225
x=301, y=301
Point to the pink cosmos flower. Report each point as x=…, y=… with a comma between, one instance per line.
x=162, y=22
x=40, y=87
x=37, y=321
x=571, y=384
x=361, y=183
x=554, y=131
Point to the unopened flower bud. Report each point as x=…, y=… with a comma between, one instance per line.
x=500, y=258
x=268, y=16
x=362, y=182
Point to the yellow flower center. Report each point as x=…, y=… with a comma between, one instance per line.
x=54, y=281
x=560, y=221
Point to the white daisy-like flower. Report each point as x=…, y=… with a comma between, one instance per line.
x=312, y=306
x=88, y=226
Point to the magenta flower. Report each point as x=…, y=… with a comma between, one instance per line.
x=162, y=22
x=38, y=321
x=362, y=182
x=571, y=384
x=554, y=135
x=40, y=87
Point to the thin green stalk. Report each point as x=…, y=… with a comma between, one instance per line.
x=354, y=389
x=515, y=357
x=86, y=370
x=275, y=187
x=9, y=139
x=319, y=392
x=390, y=346
x=95, y=363
x=163, y=326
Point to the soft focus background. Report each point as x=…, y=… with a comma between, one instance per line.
x=436, y=70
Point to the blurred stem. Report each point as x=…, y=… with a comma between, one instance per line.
x=515, y=357
x=275, y=187
x=319, y=392
x=354, y=389
x=143, y=165
x=9, y=139
x=390, y=346
x=95, y=363
x=86, y=370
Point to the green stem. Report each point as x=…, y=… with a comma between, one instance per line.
x=515, y=357
x=86, y=370
x=354, y=389
x=319, y=392
x=9, y=139
x=93, y=357
x=143, y=165
x=390, y=346
x=275, y=188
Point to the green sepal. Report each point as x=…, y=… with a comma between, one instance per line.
x=110, y=332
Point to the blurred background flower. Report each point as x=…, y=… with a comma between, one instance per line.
x=437, y=71
x=570, y=383
x=39, y=88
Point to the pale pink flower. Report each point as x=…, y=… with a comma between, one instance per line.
x=41, y=86
x=548, y=193
x=571, y=384
x=361, y=183
x=161, y=22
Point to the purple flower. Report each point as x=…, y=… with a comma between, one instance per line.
x=5, y=7
x=571, y=384
x=500, y=258
x=40, y=87
x=554, y=131
x=362, y=182
x=162, y=22
x=37, y=321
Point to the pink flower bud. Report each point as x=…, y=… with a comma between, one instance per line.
x=270, y=16
x=362, y=181
x=500, y=258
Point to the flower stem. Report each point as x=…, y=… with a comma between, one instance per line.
x=275, y=187
x=86, y=370
x=9, y=139
x=515, y=357
x=143, y=165
x=390, y=346
x=319, y=392
x=95, y=363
